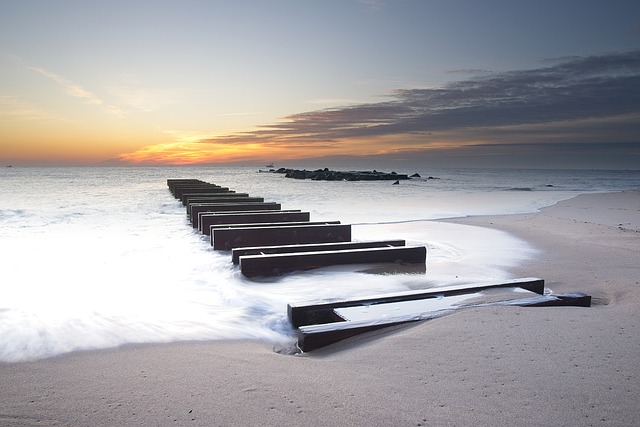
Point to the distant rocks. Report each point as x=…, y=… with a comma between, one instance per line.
x=331, y=175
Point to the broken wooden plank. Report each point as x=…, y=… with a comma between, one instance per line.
x=311, y=337
x=206, y=220
x=574, y=299
x=277, y=264
x=282, y=249
x=229, y=238
x=309, y=313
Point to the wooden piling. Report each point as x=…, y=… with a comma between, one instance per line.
x=206, y=220
x=314, y=247
x=198, y=197
x=277, y=264
x=229, y=238
x=179, y=191
x=196, y=208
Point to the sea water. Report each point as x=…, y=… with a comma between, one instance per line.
x=98, y=257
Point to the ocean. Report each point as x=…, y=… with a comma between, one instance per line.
x=98, y=257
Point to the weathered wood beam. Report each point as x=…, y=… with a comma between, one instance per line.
x=206, y=220
x=229, y=238
x=277, y=264
x=263, y=225
x=219, y=200
x=192, y=198
x=311, y=337
x=196, y=208
x=210, y=188
x=283, y=249
x=309, y=313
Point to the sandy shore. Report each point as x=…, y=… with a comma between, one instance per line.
x=489, y=366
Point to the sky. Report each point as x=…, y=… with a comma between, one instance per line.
x=451, y=83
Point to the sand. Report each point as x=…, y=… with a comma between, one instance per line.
x=486, y=366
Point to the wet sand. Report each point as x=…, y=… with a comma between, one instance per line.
x=485, y=366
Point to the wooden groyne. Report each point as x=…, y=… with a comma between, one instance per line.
x=278, y=241
x=265, y=240
x=321, y=323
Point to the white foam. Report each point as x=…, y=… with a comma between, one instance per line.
x=98, y=258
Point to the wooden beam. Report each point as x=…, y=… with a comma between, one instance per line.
x=314, y=312
x=191, y=197
x=209, y=188
x=277, y=264
x=196, y=208
x=262, y=225
x=283, y=249
x=219, y=200
x=229, y=238
x=311, y=337
x=206, y=220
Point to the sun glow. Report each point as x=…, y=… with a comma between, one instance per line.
x=189, y=149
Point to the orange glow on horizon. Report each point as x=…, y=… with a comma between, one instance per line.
x=187, y=152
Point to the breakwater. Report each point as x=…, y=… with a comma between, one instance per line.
x=332, y=175
x=268, y=241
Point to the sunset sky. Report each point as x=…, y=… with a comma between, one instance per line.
x=496, y=83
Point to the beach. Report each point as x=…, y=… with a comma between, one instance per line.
x=482, y=366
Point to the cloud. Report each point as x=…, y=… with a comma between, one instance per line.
x=582, y=88
x=72, y=88
x=77, y=91
x=333, y=101
x=585, y=108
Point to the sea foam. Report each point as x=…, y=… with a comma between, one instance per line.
x=98, y=257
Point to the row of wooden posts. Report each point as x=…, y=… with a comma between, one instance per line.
x=266, y=240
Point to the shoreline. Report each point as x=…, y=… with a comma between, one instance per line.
x=530, y=366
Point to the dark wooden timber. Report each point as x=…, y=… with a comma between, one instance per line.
x=223, y=199
x=311, y=337
x=173, y=187
x=271, y=224
x=196, y=208
x=183, y=184
x=206, y=220
x=179, y=191
x=266, y=225
x=172, y=182
x=310, y=313
x=576, y=299
x=277, y=264
x=284, y=249
x=191, y=197
x=229, y=238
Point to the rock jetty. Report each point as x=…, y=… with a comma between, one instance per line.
x=331, y=175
